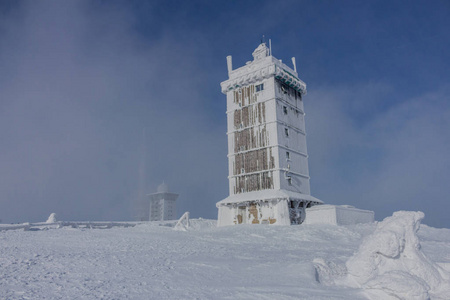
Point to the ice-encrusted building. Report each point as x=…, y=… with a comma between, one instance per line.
x=162, y=204
x=267, y=156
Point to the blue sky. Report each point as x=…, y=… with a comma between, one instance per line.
x=80, y=80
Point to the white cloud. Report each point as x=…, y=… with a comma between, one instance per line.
x=396, y=159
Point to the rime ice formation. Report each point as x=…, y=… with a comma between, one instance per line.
x=267, y=156
x=51, y=218
x=390, y=264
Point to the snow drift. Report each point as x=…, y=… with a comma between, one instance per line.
x=390, y=264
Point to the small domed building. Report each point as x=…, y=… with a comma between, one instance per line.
x=162, y=204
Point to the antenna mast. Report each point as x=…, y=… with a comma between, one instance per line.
x=270, y=47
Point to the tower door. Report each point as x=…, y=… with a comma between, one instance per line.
x=242, y=215
x=297, y=211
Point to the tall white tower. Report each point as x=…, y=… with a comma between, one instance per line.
x=162, y=204
x=267, y=156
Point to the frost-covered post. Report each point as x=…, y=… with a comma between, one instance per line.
x=183, y=223
x=267, y=156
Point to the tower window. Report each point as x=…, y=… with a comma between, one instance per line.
x=286, y=132
x=260, y=87
x=285, y=111
x=288, y=155
x=289, y=180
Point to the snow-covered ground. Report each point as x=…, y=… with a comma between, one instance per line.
x=150, y=261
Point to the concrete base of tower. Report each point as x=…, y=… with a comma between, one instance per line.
x=277, y=207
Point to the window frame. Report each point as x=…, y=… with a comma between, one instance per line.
x=259, y=87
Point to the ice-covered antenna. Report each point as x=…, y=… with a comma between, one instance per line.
x=295, y=65
x=270, y=47
x=229, y=64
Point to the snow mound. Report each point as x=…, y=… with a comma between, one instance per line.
x=51, y=218
x=390, y=264
x=328, y=271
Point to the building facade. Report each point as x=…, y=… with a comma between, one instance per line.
x=162, y=204
x=267, y=155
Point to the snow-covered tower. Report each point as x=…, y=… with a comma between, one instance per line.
x=267, y=156
x=162, y=204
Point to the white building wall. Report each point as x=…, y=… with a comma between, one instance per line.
x=282, y=213
x=338, y=215
x=262, y=115
x=226, y=216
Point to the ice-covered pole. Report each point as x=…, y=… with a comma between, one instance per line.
x=270, y=47
x=229, y=64
x=295, y=65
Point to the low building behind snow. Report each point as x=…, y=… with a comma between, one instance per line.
x=337, y=215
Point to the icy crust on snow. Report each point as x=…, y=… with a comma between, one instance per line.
x=390, y=264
